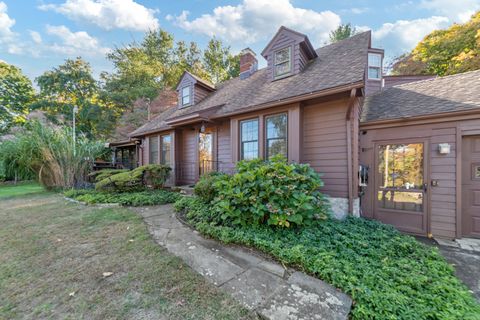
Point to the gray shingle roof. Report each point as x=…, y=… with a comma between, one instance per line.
x=460, y=92
x=338, y=64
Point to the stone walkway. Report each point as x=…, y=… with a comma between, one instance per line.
x=263, y=286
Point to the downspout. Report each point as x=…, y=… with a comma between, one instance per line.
x=351, y=102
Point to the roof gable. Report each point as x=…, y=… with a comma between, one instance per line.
x=293, y=35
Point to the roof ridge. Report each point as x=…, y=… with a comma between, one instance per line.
x=436, y=78
x=344, y=40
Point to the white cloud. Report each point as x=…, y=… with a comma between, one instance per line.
x=455, y=10
x=108, y=14
x=254, y=20
x=36, y=37
x=7, y=36
x=74, y=43
x=402, y=35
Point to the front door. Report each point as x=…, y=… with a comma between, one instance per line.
x=400, y=184
x=205, y=152
x=471, y=186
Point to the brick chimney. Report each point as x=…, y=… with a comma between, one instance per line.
x=248, y=63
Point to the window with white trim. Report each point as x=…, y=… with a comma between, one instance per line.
x=374, y=66
x=185, y=96
x=276, y=135
x=282, y=62
x=249, y=139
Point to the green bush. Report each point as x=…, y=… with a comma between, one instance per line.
x=148, y=176
x=388, y=275
x=100, y=175
x=273, y=192
x=143, y=198
x=205, y=187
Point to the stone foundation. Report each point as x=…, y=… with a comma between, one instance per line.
x=340, y=207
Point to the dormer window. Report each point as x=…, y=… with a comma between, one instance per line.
x=186, y=96
x=374, y=66
x=283, y=62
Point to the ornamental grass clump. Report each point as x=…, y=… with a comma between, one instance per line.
x=272, y=192
x=152, y=176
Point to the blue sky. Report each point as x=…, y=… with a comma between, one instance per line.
x=37, y=35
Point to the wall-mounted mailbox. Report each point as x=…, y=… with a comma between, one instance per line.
x=444, y=148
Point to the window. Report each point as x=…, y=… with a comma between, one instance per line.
x=400, y=172
x=185, y=96
x=282, y=62
x=249, y=139
x=165, y=144
x=276, y=135
x=153, y=148
x=374, y=66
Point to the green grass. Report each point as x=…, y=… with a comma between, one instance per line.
x=53, y=255
x=134, y=199
x=388, y=275
x=21, y=189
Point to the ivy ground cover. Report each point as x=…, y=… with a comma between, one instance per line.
x=388, y=275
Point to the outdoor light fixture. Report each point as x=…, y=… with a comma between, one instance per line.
x=444, y=148
x=202, y=128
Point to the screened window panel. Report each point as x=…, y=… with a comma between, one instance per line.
x=249, y=139
x=373, y=73
x=153, y=148
x=276, y=135
x=166, y=145
x=374, y=60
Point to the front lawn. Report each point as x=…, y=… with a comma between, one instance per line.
x=59, y=260
x=389, y=275
x=20, y=189
x=134, y=199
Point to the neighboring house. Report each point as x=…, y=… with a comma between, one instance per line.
x=307, y=104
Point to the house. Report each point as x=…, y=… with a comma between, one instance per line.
x=329, y=107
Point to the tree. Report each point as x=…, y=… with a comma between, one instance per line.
x=406, y=65
x=142, y=70
x=449, y=51
x=343, y=31
x=72, y=84
x=220, y=64
x=16, y=96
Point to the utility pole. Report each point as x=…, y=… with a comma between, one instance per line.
x=75, y=110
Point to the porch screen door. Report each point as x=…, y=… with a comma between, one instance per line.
x=205, y=152
x=401, y=186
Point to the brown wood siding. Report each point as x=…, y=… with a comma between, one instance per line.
x=224, y=150
x=189, y=156
x=325, y=144
x=199, y=93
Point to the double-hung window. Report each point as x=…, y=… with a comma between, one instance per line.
x=283, y=62
x=153, y=148
x=249, y=139
x=165, y=147
x=374, y=66
x=276, y=135
x=185, y=96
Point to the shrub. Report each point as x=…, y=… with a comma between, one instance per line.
x=273, y=192
x=388, y=275
x=205, y=187
x=152, y=176
x=99, y=175
x=143, y=198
